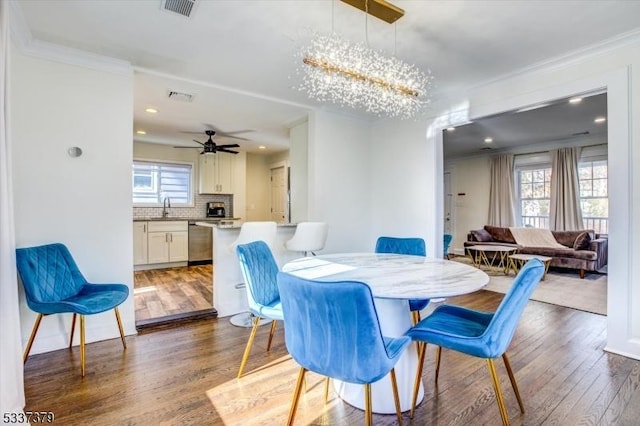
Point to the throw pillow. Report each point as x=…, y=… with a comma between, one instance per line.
x=582, y=241
x=482, y=235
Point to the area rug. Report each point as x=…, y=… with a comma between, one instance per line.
x=558, y=288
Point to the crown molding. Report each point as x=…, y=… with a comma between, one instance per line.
x=555, y=63
x=27, y=45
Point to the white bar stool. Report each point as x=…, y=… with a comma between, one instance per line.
x=308, y=238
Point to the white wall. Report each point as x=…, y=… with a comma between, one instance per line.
x=616, y=68
x=84, y=202
x=298, y=155
x=340, y=180
x=258, y=188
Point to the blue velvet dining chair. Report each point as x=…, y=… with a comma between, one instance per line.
x=260, y=271
x=446, y=242
x=53, y=284
x=480, y=334
x=332, y=329
x=412, y=246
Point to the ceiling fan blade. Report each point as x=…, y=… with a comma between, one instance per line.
x=226, y=135
x=235, y=132
x=198, y=142
x=231, y=145
x=226, y=150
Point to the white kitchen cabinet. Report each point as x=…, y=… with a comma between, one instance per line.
x=216, y=173
x=168, y=241
x=140, y=243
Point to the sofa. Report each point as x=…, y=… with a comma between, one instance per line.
x=582, y=250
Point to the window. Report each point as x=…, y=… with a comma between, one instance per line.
x=594, y=196
x=155, y=181
x=534, y=189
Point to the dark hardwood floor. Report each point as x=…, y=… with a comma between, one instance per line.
x=187, y=376
x=172, y=292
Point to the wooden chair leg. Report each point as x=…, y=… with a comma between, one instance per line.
x=415, y=315
x=512, y=378
x=124, y=344
x=247, y=350
x=82, y=345
x=422, y=349
x=496, y=388
x=32, y=337
x=73, y=330
x=438, y=356
x=273, y=330
x=296, y=396
x=396, y=398
x=368, y=412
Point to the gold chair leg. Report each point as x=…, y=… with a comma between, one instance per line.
x=422, y=349
x=396, y=398
x=124, y=344
x=273, y=330
x=415, y=315
x=82, y=344
x=247, y=350
x=296, y=396
x=73, y=330
x=496, y=387
x=438, y=355
x=326, y=389
x=34, y=331
x=368, y=415
x=512, y=378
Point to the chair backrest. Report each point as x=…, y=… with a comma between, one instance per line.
x=332, y=329
x=260, y=271
x=256, y=231
x=413, y=246
x=309, y=236
x=48, y=273
x=500, y=330
x=446, y=242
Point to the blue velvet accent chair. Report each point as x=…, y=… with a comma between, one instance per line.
x=260, y=272
x=445, y=246
x=412, y=246
x=480, y=334
x=333, y=330
x=53, y=284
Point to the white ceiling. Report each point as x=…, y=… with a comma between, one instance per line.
x=238, y=57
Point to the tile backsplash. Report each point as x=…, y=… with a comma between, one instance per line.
x=198, y=211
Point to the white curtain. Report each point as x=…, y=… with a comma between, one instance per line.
x=11, y=367
x=565, y=213
x=501, y=192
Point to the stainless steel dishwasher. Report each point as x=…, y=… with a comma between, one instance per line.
x=200, y=244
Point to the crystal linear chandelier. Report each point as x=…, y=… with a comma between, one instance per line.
x=348, y=74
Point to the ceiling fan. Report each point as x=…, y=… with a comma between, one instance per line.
x=210, y=147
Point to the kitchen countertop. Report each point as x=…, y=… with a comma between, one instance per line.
x=280, y=225
x=190, y=219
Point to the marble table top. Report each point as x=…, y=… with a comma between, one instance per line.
x=393, y=276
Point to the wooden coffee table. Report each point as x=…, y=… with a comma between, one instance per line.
x=517, y=261
x=485, y=254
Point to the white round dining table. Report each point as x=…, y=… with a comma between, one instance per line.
x=393, y=279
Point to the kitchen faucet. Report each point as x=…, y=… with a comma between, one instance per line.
x=165, y=205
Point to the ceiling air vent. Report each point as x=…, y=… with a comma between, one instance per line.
x=181, y=7
x=179, y=96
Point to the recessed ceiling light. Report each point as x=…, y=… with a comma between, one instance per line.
x=141, y=132
x=151, y=110
x=599, y=119
x=575, y=100
x=450, y=129
x=262, y=147
x=488, y=140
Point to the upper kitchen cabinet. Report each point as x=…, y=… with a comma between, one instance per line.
x=217, y=172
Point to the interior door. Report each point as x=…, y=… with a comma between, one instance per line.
x=278, y=194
